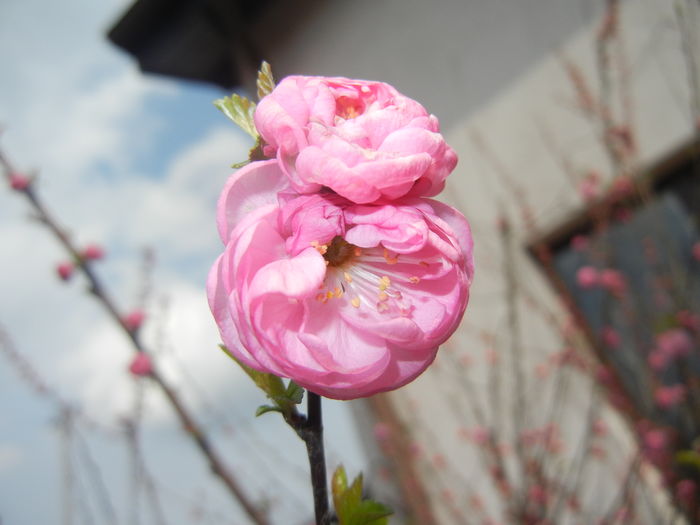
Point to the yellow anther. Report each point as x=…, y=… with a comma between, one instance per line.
x=384, y=283
x=389, y=259
x=337, y=292
x=383, y=296
x=329, y=294
x=348, y=277
x=355, y=302
x=414, y=279
x=320, y=248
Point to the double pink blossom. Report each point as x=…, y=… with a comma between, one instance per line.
x=363, y=140
x=347, y=299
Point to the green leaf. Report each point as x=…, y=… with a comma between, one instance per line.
x=265, y=81
x=689, y=458
x=371, y=512
x=339, y=484
x=264, y=409
x=240, y=110
x=349, y=505
x=294, y=392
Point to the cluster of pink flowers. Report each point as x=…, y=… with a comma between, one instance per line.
x=671, y=345
x=337, y=271
x=613, y=281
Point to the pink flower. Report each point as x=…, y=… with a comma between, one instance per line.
x=364, y=140
x=669, y=396
x=658, y=360
x=19, y=182
x=655, y=439
x=589, y=188
x=65, y=270
x=538, y=494
x=613, y=281
x=587, y=277
x=579, y=243
x=348, y=300
x=141, y=365
x=600, y=428
x=133, y=320
x=92, y=252
x=622, y=186
x=382, y=431
x=610, y=337
x=686, y=490
x=674, y=343
x=689, y=320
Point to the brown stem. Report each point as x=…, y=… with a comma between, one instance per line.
x=310, y=430
x=187, y=421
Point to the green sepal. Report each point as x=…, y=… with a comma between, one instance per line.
x=239, y=165
x=294, y=392
x=265, y=82
x=240, y=110
x=349, y=505
x=284, y=397
x=264, y=409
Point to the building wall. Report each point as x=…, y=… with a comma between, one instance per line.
x=452, y=55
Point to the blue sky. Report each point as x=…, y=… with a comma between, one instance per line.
x=129, y=162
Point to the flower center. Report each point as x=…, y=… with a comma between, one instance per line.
x=347, y=108
x=339, y=252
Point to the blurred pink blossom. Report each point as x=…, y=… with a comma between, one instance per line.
x=696, y=251
x=674, y=343
x=589, y=187
x=668, y=396
x=382, y=431
x=65, y=270
x=133, y=320
x=92, y=252
x=686, y=489
x=689, y=320
x=19, y=182
x=622, y=186
x=658, y=360
x=579, y=243
x=538, y=494
x=610, y=337
x=141, y=365
x=587, y=277
x=599, y=427
x=613, y=281
x=655, y=439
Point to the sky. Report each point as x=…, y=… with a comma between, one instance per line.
x=132, y=163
